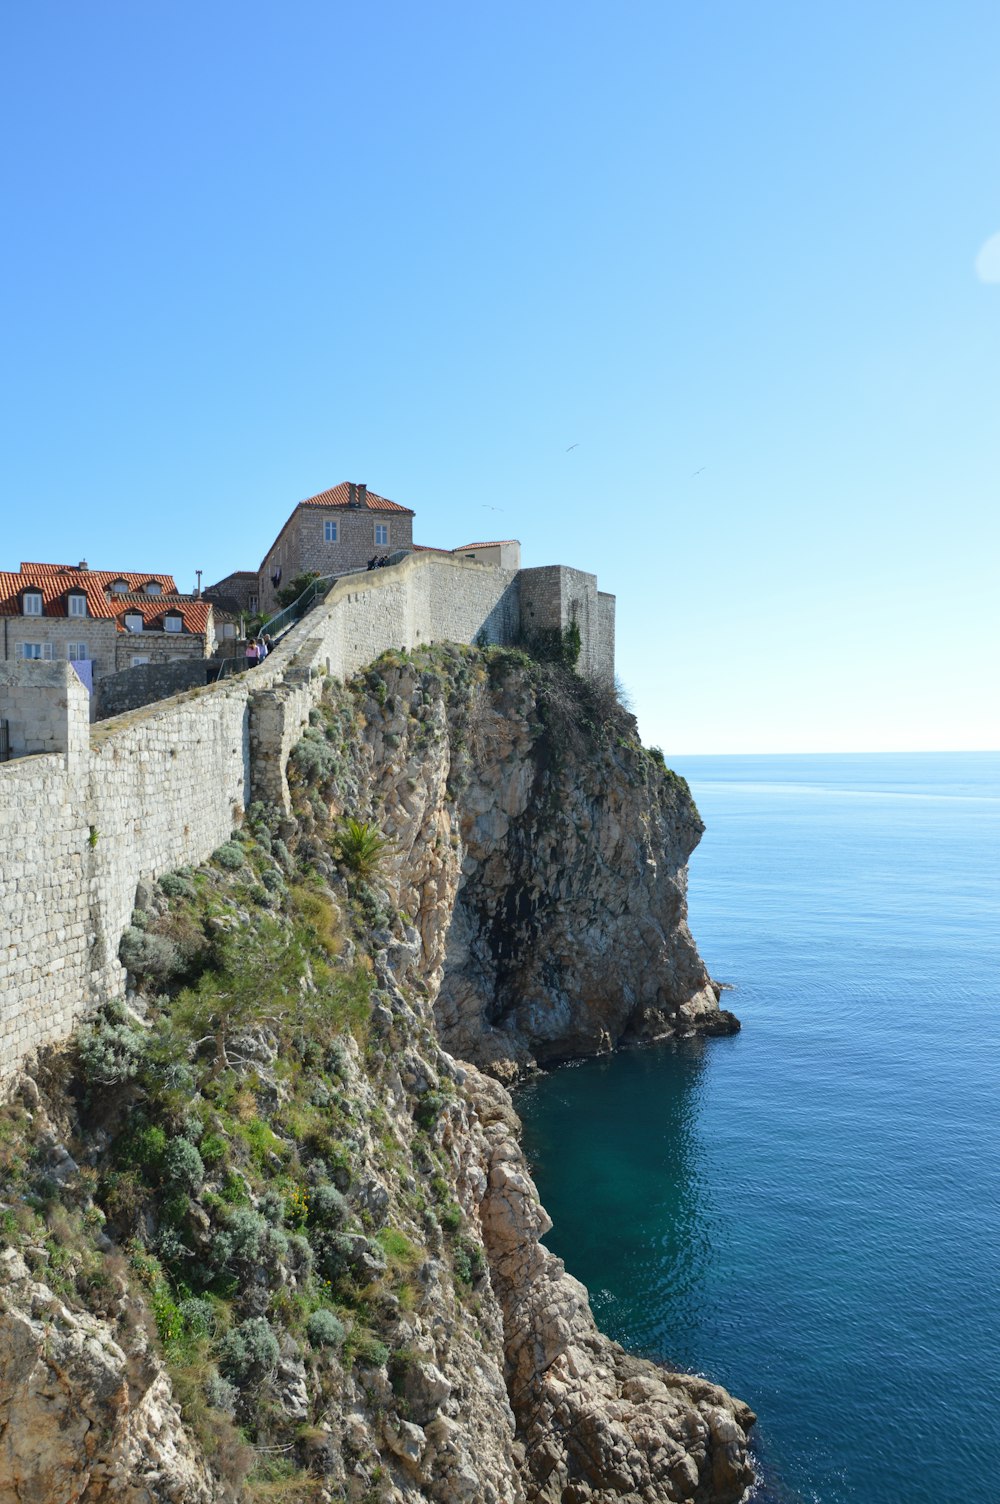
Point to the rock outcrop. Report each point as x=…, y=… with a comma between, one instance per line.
x=80, y=1419
x=328, y=1213
x=543, y=853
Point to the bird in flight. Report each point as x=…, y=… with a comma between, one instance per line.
x=698, y=472
x=487, y=508
x=573, y=446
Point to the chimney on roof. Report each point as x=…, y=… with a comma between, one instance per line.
x=362, y=494
x=83, y=564
x=352, y=494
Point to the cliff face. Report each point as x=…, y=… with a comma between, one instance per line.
x=544, y=857
x=324, y=1213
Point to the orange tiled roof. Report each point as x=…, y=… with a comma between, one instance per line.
x=56, y=581
x=194, y=614
x=339, y=496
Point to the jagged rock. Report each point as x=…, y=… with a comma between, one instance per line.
x=80, y=1420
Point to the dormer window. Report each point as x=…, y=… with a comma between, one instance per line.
x=133, y=621
x=76, y=603
x=32, y=600
x=173, y=622
x=119, y=587
x=153, y=587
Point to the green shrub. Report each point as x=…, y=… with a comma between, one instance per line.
x=248, y=1355
x=272, y=879
x=451, y=1217
x=360, y=846
x=314, y=756
x=370, y=1351
x=212, y=1149
x=324, y=1330
x=199, y=1316
x=149, y=956
x=429, y=1109
x=175, y=886
x=242, y=1236
x=470, y=1264
x=183, y=1165
x=220, y=1394
x=111, y=1053
x=230, y=855
x=327, y=1207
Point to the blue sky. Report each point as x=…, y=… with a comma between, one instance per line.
x=728, y=251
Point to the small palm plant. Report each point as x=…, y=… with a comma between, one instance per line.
x=360, y=846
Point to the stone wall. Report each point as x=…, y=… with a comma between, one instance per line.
x=134, y=687
x=145, y=792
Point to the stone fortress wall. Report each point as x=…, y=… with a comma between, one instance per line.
x=87, y=812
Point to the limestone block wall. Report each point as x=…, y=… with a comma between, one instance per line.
x=156, y=788
x=554, y=596
x=133, y=687
x=605, y=636
x=46, y=708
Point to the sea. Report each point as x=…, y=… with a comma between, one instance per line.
x=808, y=1212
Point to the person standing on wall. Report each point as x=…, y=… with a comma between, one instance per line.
x=251, y=652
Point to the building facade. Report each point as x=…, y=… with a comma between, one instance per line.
x=337, y=530
x=101, y=621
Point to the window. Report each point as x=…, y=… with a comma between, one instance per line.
x=173, y=624
x=153, y=587
x=32, y=603
x=330, y=532
x=76, y=605
x=36, y=650
x=133, y=621
x=228, y=629
x=252, y=605
x=138, y=658
x=120, y=587
x=381, y=532
x=77, y=652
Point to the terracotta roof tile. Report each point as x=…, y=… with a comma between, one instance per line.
x=194, y=614
x=55, y=581
x=339, y=496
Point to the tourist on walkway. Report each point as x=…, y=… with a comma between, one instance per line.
x=251, y=653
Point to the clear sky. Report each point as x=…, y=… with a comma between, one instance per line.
x=740, y=255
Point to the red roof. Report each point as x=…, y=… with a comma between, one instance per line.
x=339, y=496
x=57, y=581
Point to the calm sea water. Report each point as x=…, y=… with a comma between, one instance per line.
x=809, y=1212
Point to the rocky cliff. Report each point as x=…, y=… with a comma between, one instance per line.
x=270, y=1231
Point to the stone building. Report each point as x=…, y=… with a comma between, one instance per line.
x=100, y=620
x=337, y=530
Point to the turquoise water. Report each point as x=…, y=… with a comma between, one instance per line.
x=809, y=1212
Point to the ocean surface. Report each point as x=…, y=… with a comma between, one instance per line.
x=809, y=1212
